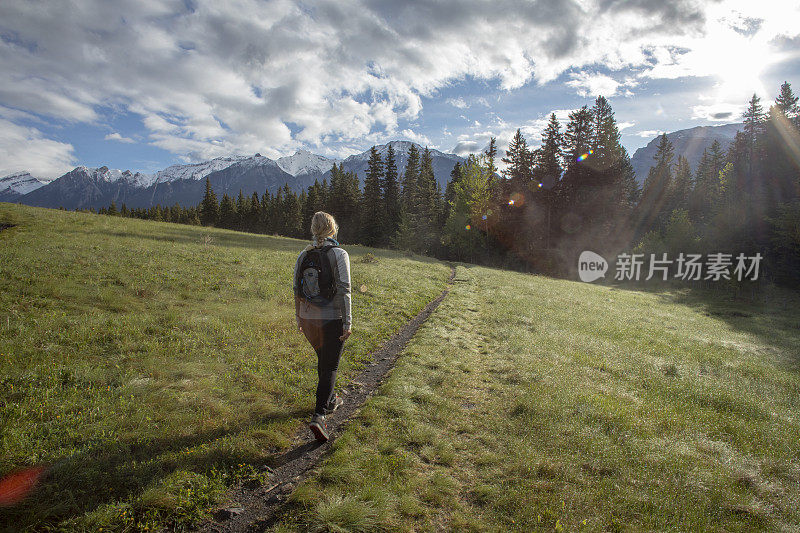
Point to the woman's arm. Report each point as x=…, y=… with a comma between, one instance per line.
x=294, y=291
x=343, y=297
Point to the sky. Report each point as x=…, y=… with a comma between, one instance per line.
x=143, y=84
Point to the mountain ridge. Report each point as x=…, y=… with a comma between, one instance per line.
x=689, y=143
x=84, y=187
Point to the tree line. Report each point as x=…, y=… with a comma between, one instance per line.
x=575, y=191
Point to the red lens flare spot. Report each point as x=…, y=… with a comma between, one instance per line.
x=15, y=487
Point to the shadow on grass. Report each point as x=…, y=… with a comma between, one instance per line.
x=80, y=483
x=769, y=313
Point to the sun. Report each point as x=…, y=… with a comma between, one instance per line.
x=738, y=69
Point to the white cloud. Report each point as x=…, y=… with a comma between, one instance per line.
x=477, y=141
x=119, y=138
x=417, y=138
x=458, y=102
x=649, y=133
x=593, y=84
x=25, y=148
x=211, y=78
x=719, y=112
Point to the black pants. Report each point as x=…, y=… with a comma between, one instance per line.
x=324, y=337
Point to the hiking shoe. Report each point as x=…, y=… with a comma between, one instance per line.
x=319, y=428
x=334, y=405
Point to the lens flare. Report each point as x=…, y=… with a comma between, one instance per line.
x=582, y=157
x=511, y=202
x=15, y=487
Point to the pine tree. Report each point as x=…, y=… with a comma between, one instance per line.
x=209, y=207
x=491, y=155
x=572, y=190
x=426, y=189
x=253, y=217
x=227, y=212
x=426, y=202
x=391, y=195
x=112, y=209
x=682, y=188
x=549, y=169
x=786, y=102
x=313, y=203
x=604, y=136
x=754, y=121
x=780, y=151
x=547, y=175
x=657, y=198
x=242, y=210
x=265, y=213
x=578, y=137
x=449, y=191
x=292, y=214
x=409, y=193
x=343, y=203
x=372, y=210
x=518, y=160
x=277, y=219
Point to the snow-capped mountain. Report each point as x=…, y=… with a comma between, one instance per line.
x=304, y=162
x=18, y=184
x=247, y=174
x=113, y=175
x=196, y=171
x=85, y=187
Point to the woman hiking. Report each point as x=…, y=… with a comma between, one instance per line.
x=322, y=309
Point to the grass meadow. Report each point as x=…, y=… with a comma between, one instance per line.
x=150, y=366
x=527, y=403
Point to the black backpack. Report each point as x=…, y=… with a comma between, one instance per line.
x=315, y=283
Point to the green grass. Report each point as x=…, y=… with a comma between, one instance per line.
x=152, y=365
x=527, y=403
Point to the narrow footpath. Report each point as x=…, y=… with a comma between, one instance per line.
x=255, y=506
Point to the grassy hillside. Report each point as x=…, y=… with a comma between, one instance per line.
x=527, y=403
x=150, y=365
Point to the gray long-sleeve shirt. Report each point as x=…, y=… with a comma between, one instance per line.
x=339, y=307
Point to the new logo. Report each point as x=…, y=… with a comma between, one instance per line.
x=591, y=266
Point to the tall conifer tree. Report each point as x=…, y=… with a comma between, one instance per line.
x=391, y=195
x=372, y=211
x=209, y=207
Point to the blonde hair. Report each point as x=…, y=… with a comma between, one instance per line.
x=323, y=225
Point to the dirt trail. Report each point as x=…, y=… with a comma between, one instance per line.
x=255, y=506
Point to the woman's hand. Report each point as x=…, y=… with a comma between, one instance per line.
x=345, y=334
